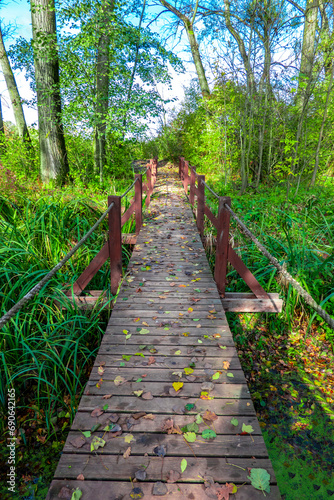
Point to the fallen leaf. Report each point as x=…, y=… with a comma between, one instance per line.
x=235, y=422
x=127, y=357
x=96, y=443
x=144, y=331
x=177, y=386
x=127, y=453
x=190, y=406
x=226, y=365
x=190, y=309
x=81, y=477
x=190, y=437
x=107, y=396
x=151, y=360
x=208, y=434
x=144, y=323
x=138, y=393
x=260, y=479
x=140, y=475
x=230, y=375
x=78, y=442
x=188, y=371
x=177, y=353
x=136, y=320
x=149, y=416
x=160, y=451
x=119, y=380
x=100, y=370
x=224, y=491
x=216, y=376
x=136, y=493
x=206, y=396
x=128, y=438
x=77, y=494
x=210, y=416
x=178, y=374
x=247, y=428
x=96, y=413
x=184, y=464
x=147, y=395
x=87, y=434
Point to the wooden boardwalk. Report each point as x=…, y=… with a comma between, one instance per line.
x=168, y=326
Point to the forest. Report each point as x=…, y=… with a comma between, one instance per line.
x=255, y=116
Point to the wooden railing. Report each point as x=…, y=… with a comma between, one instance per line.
x=112, y=249
x=261, y=300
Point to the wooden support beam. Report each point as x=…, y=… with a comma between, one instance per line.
x=90, y=271
x=192, y=185
x=138, y=204
x=245, y=274
x=200, y=204
x=210, y=216
x=115, y=243
x=186, y=176
x=223, y=232
x=248, y=302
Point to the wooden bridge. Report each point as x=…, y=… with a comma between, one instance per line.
x=167, y=411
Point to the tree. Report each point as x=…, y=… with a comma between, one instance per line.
x=53, y=156
x=188, y=24
x=13, y=92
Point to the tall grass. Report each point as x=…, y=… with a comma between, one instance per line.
x=48, y=348
x=299, y=235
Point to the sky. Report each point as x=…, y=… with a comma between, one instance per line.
x=17, y=13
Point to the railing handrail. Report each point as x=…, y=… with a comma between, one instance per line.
x=11, y=313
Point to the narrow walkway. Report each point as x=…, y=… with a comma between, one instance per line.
x=167, y=361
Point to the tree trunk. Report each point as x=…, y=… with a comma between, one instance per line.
x=316, y=164
x=13, y=93
x=2, y=130
x=189, y=26
x=53, y=156
x=308, y=48
x=102, y=92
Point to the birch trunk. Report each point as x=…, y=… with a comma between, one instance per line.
x=13, y=93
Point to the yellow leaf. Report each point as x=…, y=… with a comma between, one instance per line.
x=190, y=309
x=128, y=438
x=144, y=323
x=226, y=365
x=177, y=386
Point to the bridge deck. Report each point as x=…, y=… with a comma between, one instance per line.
x=168, y=318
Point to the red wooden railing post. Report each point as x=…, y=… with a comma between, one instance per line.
x=180, y=167
x=138, y=202
x=200, y=204
x=115, y=242
x=192, y=185
x=148, y=184
x=186, y=176
x=223, y=231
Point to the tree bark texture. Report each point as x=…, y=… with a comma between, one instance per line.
x=53, y=156
x=102, y=91
x=13, y=92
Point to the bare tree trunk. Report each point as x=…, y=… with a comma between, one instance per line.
x=13, y=92
x=308, y=48
x=316, y=164
x=2, y=130
x=53, y=156
x=102, y=91
x=189, y=26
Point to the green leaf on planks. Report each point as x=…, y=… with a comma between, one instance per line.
x=260, y=479
x=105, y=407
x=188, y=371
x=193, y=427
x=199, y=419
x=189, y=406
x=96, y=443
x=190, y=437
x=87, y=434
x=184, y=464
x=216, y=376
x=144, y=331
x=247, y=428
x=235, y=422
x=77, y=494
x=127, y=357
x=208, y=434
x=230, y=375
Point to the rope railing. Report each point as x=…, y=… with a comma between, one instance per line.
x=11, y=313
x=288, y=277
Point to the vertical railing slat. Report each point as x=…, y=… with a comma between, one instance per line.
x=223, y=231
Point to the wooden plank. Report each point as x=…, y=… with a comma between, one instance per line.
x=167, y=405
x=163, y=389
x=253, y=305
x=129, y=239
x=83, y=421
x=233, y=446
x=97, y=490
x=176, y=362
x=169, y=351
x=164, y=375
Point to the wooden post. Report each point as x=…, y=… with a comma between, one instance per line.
x=148, y=184
x=200, y=204
x=223, y=231
x=180, y=167
x=186, y=176
x=192, y=185
x=138, y=202
x=115, y=242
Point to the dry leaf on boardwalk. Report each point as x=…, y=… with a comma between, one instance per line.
x=127, y=453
